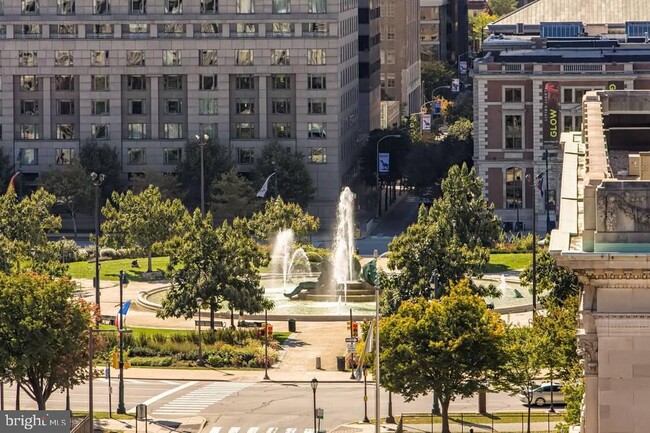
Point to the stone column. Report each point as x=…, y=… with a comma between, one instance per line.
x=588, y=351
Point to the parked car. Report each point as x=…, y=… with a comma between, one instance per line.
x=542, y=395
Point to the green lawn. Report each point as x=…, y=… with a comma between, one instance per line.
x=110, y=269
x=280, y=336
x=498, y=418
x=508, y=262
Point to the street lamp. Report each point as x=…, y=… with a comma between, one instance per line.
x=201, y=144
x=365, y=395
x=266, y=345
x=120, y=405
x=314, y=385
x=377, y=167
x=433, y=92
x=377, y=381
x=200, y=362
x=97, y=180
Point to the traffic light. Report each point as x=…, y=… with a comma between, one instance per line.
x=269, y=330
x=349, y=325
x=127, y=364
x=115, y=361
x=355, y=329
x=260, y=332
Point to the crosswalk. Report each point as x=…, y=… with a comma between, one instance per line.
x=139, y=382
x=200, y=399
x=260, y=430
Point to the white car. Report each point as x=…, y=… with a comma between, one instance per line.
x=542, y=396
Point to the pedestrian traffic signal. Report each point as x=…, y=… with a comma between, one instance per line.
x=127, y=364
x=269, y=330
x=355, y=329
x=260, y=332
x=115, y=361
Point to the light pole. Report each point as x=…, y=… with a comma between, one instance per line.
x=365, y=395
x=534, y=282
x=314, y=386
x=548, y=212
x=200, y=362
x=435, y=275
x=377, y=174
x=120, y=405
x=433, y=92
x=201, y=144
x=266, y=345
x=377, y=377
x=97, y=180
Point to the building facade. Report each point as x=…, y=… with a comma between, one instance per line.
x=145, y=77
x=369, y=67
x=444, y=28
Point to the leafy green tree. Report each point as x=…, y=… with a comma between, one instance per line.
x=71, y=187
x=216, y=160
x=477, y=25
x=5, y=170
x=398, y=148
x=502, y=7
x=233, y=196
x=168, y=184
x=556, y=282
x=142, y=220
x=293, y=180
x=101, y=158
x=43, y=334
x=461, y=129
x=279, y=215
x=436, y=74
x=447, y=346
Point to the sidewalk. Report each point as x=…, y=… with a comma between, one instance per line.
x=193, y=424
x=454, y=427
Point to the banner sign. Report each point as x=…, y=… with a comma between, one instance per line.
x=455, y=85
x=437, y=108
x=462, y=66
x=616, y=85
x=426, y=122
x=384, y=163
x=551, y=113
x=35, y=421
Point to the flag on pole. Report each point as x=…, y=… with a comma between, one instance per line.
x=540, y=184
x=262, y=192
x=12, y=181
x=121, y=314
x=367, y=348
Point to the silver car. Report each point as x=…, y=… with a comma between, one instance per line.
x=542, y=396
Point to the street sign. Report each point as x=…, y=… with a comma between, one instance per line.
x=351, y=348
x=352, y=340
x=384, y=163
x=320, y=413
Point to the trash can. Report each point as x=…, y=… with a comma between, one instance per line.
x=292, y=325
x=340, y=363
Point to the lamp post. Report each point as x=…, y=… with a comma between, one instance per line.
x=201, y=144
x=377, y=174
x=534, y=282
x=377, y=376
x=435, y=275
x=314, y=386
x=266, y=345
x=365, y=395
x=433, y=92
x=97, y=180
x=548, y=212
x=120, y=405
x=200, y=362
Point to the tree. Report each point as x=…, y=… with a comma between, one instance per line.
x=477, y=25
x=43, y=334
x=447, y=346
x=398, y=148
x=279, y=215
x=142, y=220
x=5, y=170
x=502, y=7
x=216, y=160
x=557, y=282
x=71, y=187
x=293, y=180
x=233, y=196
x=461, y=130
x=101, y=158
x=435, y=74
x=168, y=184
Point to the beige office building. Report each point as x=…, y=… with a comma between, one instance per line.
x=146, y=76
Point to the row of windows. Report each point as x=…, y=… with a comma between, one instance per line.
x=514, y=189
x=570, y=95
x=170, y=7
x=315, y=155
x=279, y=57
x=514, y=137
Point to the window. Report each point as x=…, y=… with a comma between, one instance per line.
x=65, y=7
x=64, y=107
x=574, y=95
x=99, y=58
x=280, y=29
x=208, y=57
x=390, y=80
x=99, y=83
x=280, y=57
x=137, y=7
x=28, y=156
x=245, y=6
x=137, y=155
x=209, y=7
x=244, y=106
x=208, y=82
x=64, y=30
x=571, y=123
x=208, y=106
x=28, y=31
x=102, y=7
x=29, y=7
x=316, y=6
x=514, y=188
x=136, y=106
x=246, y=155
x=281, y=6
x=135, y=58
x=99, y=131
x=172, y=155
x=172, y=82
x=280, y=82
x=207, y=30
x=173, y=106
x=316, y=82
x=390, y=32
x=64, y=156
x=30, y=131
x=513, y=132
x=281, y=106
x=63, y=82
x=173, y=7
x=171, y=58
x=281, y=130
x=171, y=30
x=63, y=58
x=512, y=94
x=244, y=29
x=136, y=30
x=315, y=29
x=245, y=130
x=173, y=130
x=28, y=83
x=316, y=106
x=29, y=107
x=316, y=56
x=136, y=82
x=318, y=155
x=245, y=82
x=64, y=131
x=27, y=58
x=244, y=57
x=100, y=107
x=208, y=129
x=99, y=30
x=136, y=131
x=316, y=130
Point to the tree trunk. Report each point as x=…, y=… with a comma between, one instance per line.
x=232, y=318
x=444, y=407
x=17, y=395
x=40, y=401
x=212, y=315
x=149, y=260
x=73, y=216
x=528, y=421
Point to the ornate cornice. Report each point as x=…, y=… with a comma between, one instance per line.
x=622, y=323
x=588, y=351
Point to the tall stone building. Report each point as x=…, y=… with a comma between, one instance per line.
x=369, y=67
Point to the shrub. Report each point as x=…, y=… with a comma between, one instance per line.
x=143, y=351
x=69, y=250
x=157, y=361
x=107, y=253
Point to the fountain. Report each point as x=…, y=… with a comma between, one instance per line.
x=503, y=286
x=285, y=260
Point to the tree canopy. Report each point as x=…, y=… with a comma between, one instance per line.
x=233, y=196
x=436, y=74
x=553, y=281
x=279, y=215
x=168, y=184
x=477, y=25
x=502, y=7
x=100, y=158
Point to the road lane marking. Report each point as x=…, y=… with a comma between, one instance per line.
x=215, y=429
x=201, y=398
x=253, y=429
x=272, y=430
x=233, y=430
x=170, y=382
x=162, y=395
